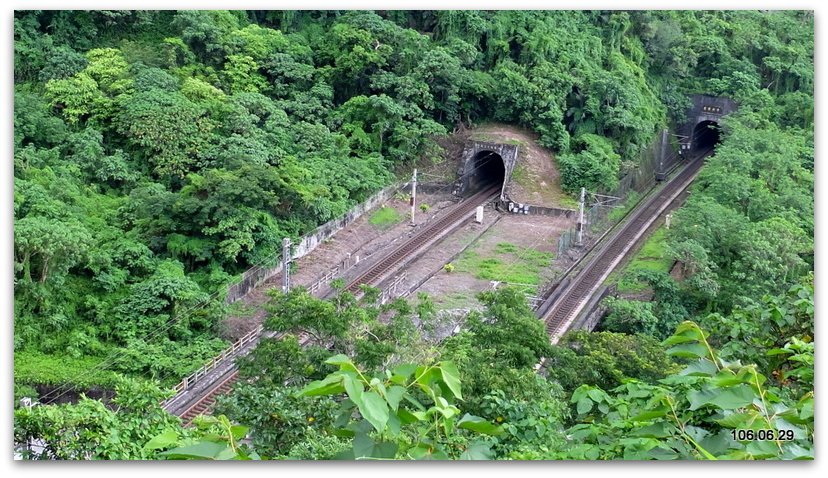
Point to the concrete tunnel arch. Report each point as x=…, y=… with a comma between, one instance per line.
x=706, y=134
x=484, y=163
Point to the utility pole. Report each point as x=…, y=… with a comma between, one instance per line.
x=580, y=238
x=286, y=265
x=413, y=194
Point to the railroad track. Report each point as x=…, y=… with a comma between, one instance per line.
x=223, y=384
x=205, y=405
x=566, y=308
x=411, y=246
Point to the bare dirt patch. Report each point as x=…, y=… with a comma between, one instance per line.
x=536, y=179
x=518, y=248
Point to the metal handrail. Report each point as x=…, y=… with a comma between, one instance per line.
x=248, y=338
x=218, y=360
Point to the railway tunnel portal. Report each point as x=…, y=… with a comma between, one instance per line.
x=484, y=164
x=701, y=129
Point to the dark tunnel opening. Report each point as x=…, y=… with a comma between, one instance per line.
x=489, y=170
x=705, y=136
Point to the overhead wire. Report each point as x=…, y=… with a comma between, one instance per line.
x=114, y=357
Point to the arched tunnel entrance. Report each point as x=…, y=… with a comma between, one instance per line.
x=488, y=169
x=706, y=134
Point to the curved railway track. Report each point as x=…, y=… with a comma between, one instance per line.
x=431, y=231
x=224, y=383
x=561, y=314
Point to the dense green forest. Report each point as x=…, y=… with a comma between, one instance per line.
x=159, y=154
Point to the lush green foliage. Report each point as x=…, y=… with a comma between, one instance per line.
x=91, y=430
x=606, y=359
x=692, y=414
x=158, y=154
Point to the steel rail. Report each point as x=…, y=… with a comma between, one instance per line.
x=565, y=309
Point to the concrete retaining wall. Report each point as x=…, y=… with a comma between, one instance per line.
x=520, y=208
x=594, y=311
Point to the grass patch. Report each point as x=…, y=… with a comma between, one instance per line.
x=33, y=368
x=651, y=257
x=455, y=300
x=568, y=202
x=509, y=263
x=519, y=174
x=385, y=217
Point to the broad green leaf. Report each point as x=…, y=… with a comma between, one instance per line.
x=688, y=328
x=579, y=392
x=424, y=451
x=762, y=450
x=330, y=385
x=659, y=453
x=451, y=377
x=366, y=447
x=374, y=409
x=695, y=350
x=677, y=339
x=167, y=438
x=394, y=425
x=424, y=377
x=717, y=444
x=478, y=424
x=406, y=417
x=724, y=398
x=793, y=451
x=354, y=387
x=655, y=430
x=394, y=394
x=343, y=361
x=744, y=375
x=419, y=406
x=405, y=370
x=807, y=411
x=239, y=431
x=477, y=451
x=449, y=411
x=345, y=455
x=702, y=367
x=377, y=385
x=204, y=450
x=595, y=394
x=650, y=414
x=584, y=405
x=740, y=419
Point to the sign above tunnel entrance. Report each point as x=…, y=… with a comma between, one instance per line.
x=703, y=109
